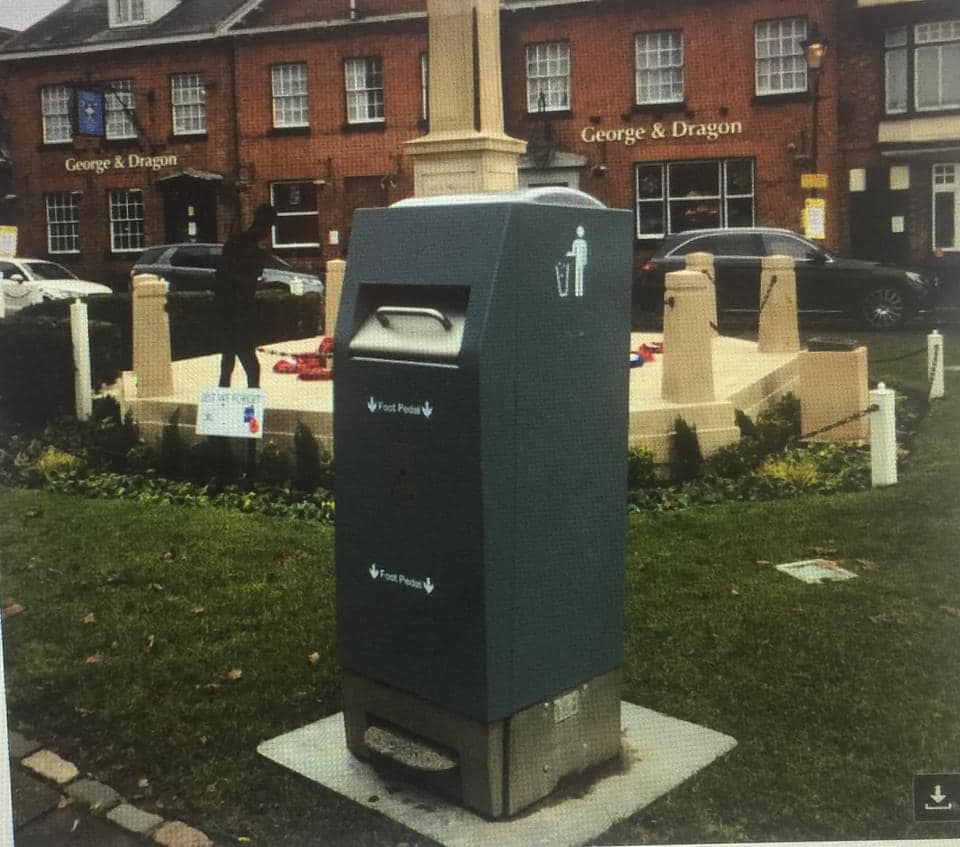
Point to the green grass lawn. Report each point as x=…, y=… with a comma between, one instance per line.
x=138, y=619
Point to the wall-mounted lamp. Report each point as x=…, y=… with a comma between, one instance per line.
x=599, y=169
x=814, y=50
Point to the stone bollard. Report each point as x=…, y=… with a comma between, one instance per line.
x=152, y=361
x=687, y=339
x=82, y=380
x=333, y=286
x=777, y=331
x=935, y=364
x=703, y=262
x=883, y=437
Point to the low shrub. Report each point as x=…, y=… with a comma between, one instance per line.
x=37, y=371
x=641, y=468
x=686, y=459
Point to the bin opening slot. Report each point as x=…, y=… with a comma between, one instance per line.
x=409, y=750
x=410, y=322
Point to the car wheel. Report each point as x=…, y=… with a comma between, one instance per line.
x=885, y=307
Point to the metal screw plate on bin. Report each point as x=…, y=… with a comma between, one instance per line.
x=566, y=706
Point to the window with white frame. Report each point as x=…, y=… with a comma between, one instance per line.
x=55, y=108
x=781, y=67
x=677, y=196
x=895, y=70
x=63, y=222
x=128, y=12
x=126, y=220
x=188, y=98
x=946, y=206
x=937, y=65
x=424, y=86
x=364, y=87
x=298, y=214
x=548, y=77
x=659, y=67
x=118, y=107
x=289, y=83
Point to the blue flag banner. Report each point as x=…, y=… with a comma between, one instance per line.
x=89, y=112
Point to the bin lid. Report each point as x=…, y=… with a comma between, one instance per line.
x=544, y=196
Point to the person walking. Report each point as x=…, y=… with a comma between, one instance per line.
x=238, y=273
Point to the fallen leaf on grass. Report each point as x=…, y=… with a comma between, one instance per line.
x=155, y=586
x=951, y=610
x=76, y=823
x=34, y=513
x=888, y=618
x=151, y=639
x=763, y=562
x=11, y=610
x=64, y=801
x=143, y=782
x=95, y=659
x=826, y=549
x=313, y=658
x=172, y=554
x=198, y=610
x=89, y=617
x=735, y=592
x=82, y=711
x=233, y=674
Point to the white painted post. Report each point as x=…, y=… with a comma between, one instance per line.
x=935, y=364
x=6, y=797
x=80, y=332
x=883, y=437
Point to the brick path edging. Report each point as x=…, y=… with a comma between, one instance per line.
x=99, y=799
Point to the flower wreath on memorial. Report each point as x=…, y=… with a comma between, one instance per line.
x=645, y=353
x=311, y=365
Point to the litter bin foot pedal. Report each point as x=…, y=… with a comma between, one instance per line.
x=408, y=750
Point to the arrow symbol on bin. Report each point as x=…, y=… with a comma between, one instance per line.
x=374, y=570
x=938, y=796
x=372, y=405
x=427, y=409
x=428, y=586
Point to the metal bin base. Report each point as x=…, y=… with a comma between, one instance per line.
x=496, y=769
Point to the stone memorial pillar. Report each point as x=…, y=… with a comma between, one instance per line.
x=687, y=339
x=152, y=360
x=703, y=262
x=332, y=288
x=466, y=150
x=777, y=331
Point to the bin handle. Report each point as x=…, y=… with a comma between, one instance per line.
x=422, y=311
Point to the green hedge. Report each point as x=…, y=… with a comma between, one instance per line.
x=36, y=367
x=191, y=318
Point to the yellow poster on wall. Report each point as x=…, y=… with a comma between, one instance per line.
x=8, y=241
x=814, y=218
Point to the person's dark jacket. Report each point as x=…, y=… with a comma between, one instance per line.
x=234, y=293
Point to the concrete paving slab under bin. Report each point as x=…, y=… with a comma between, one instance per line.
x=660, y=752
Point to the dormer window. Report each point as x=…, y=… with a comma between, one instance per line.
x=128, y=12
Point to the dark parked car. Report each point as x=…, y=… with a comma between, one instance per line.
x=191, y=267
x=881, y=295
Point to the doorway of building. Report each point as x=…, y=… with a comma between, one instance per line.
x=190, y=208
x=880, y=221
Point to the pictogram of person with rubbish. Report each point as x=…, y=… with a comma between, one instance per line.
x=578, y=252
x=240, y=268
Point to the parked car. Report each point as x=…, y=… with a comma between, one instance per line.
x=882, y=296
x=27, y=281
x=192, y=267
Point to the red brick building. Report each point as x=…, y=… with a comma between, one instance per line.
x=695, y=113
x=900, y=122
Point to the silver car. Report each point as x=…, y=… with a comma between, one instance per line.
x=192, y=267
x=27, y=281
